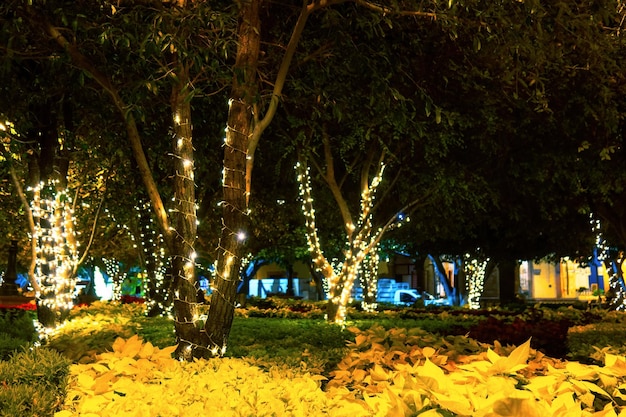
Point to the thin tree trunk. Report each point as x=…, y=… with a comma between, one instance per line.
x=440, y=272
x=290, y=287
x=369, y=280
x=31, y=227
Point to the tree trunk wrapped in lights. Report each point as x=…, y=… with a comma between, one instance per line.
x=144, y=234
x=113, y=270
x=154, y=260
x=616, y=293
x=361, y=239
x=53, y=215
x=184, y=221
x=245, y=125
x=56, y=255
x=369, y=281
x=475, y=273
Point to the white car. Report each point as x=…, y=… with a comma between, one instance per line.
x=410, y=296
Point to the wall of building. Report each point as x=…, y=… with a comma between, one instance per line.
x=272, y=278
x=561, y=281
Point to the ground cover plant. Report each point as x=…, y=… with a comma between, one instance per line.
x=303, y=366
x=385, y=373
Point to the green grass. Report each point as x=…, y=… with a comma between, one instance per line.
x=280, y=341
x=292, y=342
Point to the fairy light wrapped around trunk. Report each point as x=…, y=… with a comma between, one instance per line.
x=475, y=279
x=149, y=241
x=369, y=281
x=57, y=254
x=361, y=240
x=617, y=285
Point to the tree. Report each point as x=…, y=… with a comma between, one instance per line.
x=350, y=144
x=246, y=123
x=42, y=134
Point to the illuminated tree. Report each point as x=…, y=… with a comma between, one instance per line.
x=361, y=237
x=247, y=120
x=475, y=270
x=150, y=251
x=51, y=191
x=119, y=28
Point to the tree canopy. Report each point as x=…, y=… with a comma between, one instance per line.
x=500, y=123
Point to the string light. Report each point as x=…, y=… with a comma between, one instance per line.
x=113, y=270
x=57, y=248
x=369, y=281
x=360, y=241
x=152, y=245
x=616, y=280
x=474, y=279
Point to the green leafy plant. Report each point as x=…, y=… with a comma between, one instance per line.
x=34, y=382
x=590, y=343
x=16, y=331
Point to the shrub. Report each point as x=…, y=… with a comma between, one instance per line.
x=591, y=342
x=33, y=382
x=9, y=345
x=549, y=336
x=18, y=324
x=16, y=331
x=35, y=366
x=28, y=400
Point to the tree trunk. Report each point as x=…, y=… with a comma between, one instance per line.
x=318, y=279
x=508, y=280
x=235, y=204
x=246, y=275
x=341, y=292
x=290, y=287
x=443, y=278
x=55, y=257
x=369, y=281
x=184, y=289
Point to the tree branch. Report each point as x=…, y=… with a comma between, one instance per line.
x=388, y=10
x=281, y=77
x=335, y=189
x=31, y=227
x=87, y=66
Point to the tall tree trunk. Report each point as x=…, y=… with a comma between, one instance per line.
x=184, y=289
x=53, y=221
x=235, y=204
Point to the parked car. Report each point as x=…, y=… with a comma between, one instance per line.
x=411, y=296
